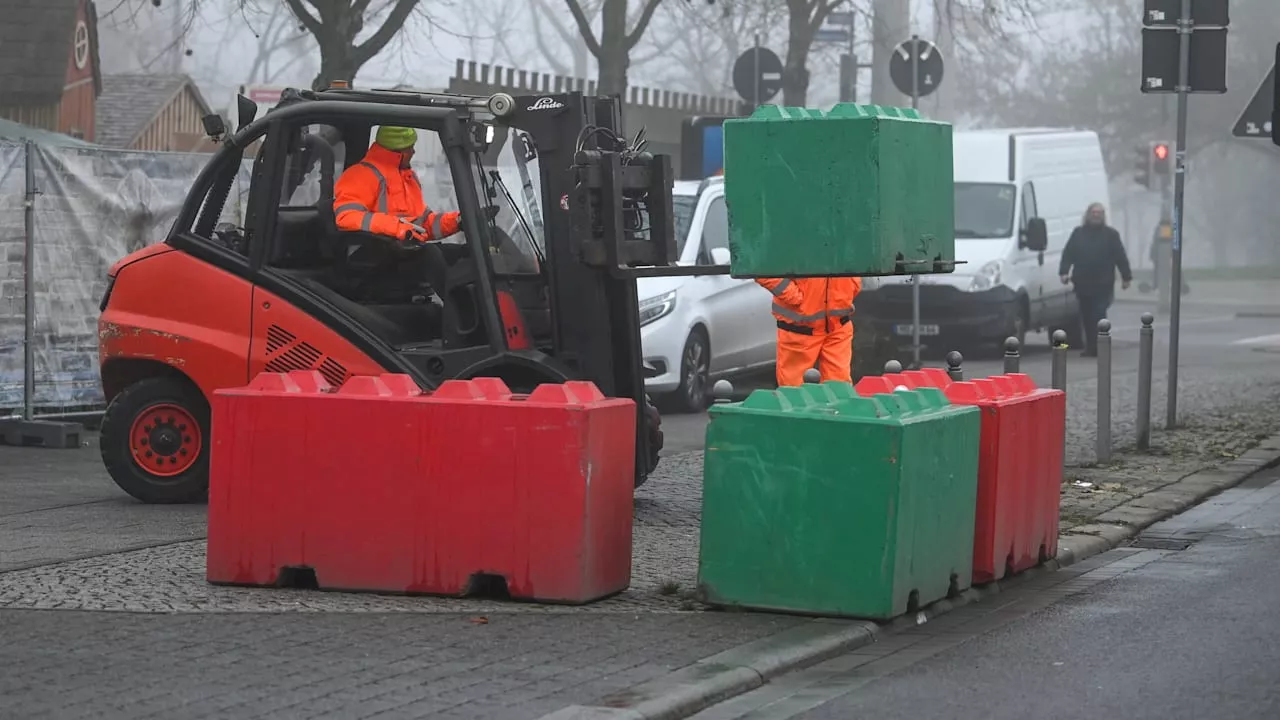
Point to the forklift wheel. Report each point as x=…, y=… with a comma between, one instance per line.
x=155, y=441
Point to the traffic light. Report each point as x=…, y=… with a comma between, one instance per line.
x=1142, y=166
x=1160, y=162
x=1153, y=160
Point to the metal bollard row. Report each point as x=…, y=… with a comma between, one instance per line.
x=1103, y=444
x=1058, y=367
x=1146, y=351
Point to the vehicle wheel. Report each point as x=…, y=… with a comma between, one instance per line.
x=653, y=425
x=155, y=441
x=1017, y=330
x=695, y=374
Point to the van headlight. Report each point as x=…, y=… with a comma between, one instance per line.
x=656, y=308
x=988, y=277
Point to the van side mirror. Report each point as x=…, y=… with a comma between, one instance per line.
x=1036, y=236
x=720, y=256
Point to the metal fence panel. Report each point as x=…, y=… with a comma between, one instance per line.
x=12, y=235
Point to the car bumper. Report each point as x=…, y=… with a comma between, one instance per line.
x=663, y=342
x=949, y=317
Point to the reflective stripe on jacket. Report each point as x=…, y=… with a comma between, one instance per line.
x=812, y=304
x=377, y=196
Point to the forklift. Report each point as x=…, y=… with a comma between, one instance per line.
x=541, y=288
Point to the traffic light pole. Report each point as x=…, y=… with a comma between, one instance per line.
x=1179, y=186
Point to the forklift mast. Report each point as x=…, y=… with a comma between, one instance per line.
x=608, y=220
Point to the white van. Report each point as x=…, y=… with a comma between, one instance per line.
x=1006, y=182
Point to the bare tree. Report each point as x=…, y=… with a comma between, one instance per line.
x=702, y=41
x=553, y=36
x=490, y=30
x=337, y=25
x=612, y=47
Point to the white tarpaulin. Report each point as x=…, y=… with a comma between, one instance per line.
x=93, y=206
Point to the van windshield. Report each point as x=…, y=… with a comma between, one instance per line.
x=984, y=210
x=682, y=207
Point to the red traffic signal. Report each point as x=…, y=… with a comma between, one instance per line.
x=1160, y=152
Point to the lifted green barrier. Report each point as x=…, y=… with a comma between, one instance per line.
x=818, y=501
x=860, y=190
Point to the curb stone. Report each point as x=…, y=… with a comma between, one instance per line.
x=744, y=668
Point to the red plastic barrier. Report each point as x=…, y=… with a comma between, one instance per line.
x=376, y=486
x=1019, y=466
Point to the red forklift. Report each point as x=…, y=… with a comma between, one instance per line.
x=540, y=289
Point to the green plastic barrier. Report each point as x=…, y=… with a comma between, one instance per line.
x=818, y=501
x=860, y=190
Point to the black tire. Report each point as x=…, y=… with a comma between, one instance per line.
x=653, y=426
x=694, y=393
x=1018, y=329
x=166, y=421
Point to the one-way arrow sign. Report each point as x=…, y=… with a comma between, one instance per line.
x=1255, y=121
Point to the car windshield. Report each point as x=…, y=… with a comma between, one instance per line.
x=683, y=207
x=984, y=210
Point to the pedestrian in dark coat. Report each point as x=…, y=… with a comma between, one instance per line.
x=1093, y=254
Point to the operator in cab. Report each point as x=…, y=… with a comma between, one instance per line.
x=815, y=326
x=381, y=194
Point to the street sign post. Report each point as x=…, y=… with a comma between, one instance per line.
x=757, y=75
x=1256, y=120
x=916, y=70
x=1198, y=33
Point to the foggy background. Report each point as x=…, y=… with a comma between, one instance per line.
x=1059, y=63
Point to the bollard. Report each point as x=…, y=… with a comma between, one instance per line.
x=892, y=367
x=1146, y=350
x=1104, y=391
x=1011, y=357
x=1058, y=373
x=812, y=376
x=722, y=391
x=954, y=361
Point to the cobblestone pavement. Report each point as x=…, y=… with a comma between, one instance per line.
x=1229, y=409
x=66, y=665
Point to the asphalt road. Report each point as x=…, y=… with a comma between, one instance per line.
x=1209, y=333
x=1163, y=634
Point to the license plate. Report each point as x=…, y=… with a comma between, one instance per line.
x=924, y=330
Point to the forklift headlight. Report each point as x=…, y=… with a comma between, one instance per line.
x=656, y=308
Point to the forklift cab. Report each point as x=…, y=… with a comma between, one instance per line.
x=558, y=213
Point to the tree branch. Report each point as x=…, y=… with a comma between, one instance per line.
x=646, y=15
x=584, y=28
x=308, y=20
x=365, y=51
x=541, y=42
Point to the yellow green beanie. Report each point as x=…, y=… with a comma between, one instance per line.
x=396, y=138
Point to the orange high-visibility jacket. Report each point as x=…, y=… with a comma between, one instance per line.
x=812, y=305
x=377, y=196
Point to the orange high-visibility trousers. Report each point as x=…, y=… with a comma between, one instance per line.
x=832, y=352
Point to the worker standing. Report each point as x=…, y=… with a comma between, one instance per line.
x=381, y=193
x=815, y=326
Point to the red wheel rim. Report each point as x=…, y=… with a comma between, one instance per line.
x=165, y=440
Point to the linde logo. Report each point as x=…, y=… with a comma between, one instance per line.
x=545, y=103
